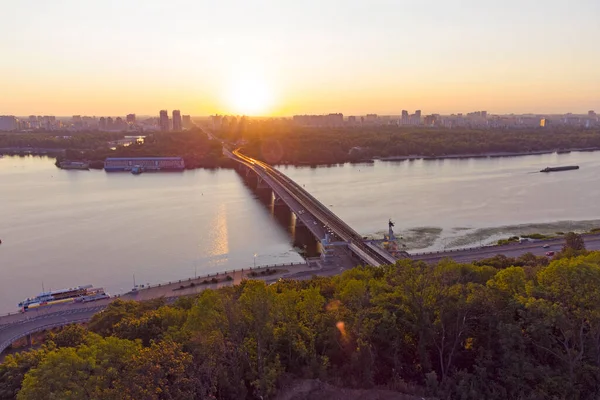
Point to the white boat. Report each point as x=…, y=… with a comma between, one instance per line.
x=70, y=295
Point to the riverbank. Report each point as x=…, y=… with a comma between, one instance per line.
x=31, y=151
x=486, y=155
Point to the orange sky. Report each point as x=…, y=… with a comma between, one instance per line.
x=283, y=57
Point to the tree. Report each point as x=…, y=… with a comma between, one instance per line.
x=574, y=241
x=69, y=336
x=565, y=313
x=161, y=371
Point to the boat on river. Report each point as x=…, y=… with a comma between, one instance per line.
x=74, y=165
x=71, y=295
x=557, y=169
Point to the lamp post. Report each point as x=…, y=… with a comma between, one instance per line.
x=255, y=260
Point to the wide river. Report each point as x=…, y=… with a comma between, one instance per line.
x=66, y=228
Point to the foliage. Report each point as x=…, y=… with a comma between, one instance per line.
x=281, y=142
x=574, y=241
x=503, y=328
x=194, y=146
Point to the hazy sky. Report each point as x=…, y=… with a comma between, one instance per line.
x=112, y=57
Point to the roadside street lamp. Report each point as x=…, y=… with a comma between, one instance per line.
x=255, y=260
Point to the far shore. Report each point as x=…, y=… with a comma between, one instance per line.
x=485, y=155
x=16, y=151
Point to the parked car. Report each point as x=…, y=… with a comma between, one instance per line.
x=549, y=253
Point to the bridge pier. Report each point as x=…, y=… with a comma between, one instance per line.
x=304, y=239
x=261, y=185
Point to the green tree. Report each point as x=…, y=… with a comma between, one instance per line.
x=574, y=241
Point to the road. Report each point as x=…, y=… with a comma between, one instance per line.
x=592, y=242
x=10, y=333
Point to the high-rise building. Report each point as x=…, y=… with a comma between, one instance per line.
x=163, y=120
x=109, y=123
x=176, y=120
x=120, y=124
x=187, y=122
x=591, y=114
x=130, y=119
x=405, y=117
x=102, y=124
x=8, y=123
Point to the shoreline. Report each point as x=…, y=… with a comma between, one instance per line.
x=487, y=155
x=52, y=153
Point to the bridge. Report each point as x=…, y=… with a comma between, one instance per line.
x=310, y=211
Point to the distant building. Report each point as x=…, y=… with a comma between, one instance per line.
x=8, y=123
x=120, y=124
x=405, y=119
x=102, y=124
x=110, y=124
x=187, y=122
x=148, y=163
x=176, y=120
x=77, y=122
x=591, y=114
x=130, y=119
x=163, y=120
x=336, y=119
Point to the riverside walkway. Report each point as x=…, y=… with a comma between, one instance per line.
x=15, y=326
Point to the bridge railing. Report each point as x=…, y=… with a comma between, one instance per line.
x=427, y=253
x=225, y=273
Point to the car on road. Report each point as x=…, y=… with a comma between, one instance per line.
x=315, y=222
x=546, y=246
x=549, y=253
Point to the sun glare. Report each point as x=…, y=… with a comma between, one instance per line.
x=250, y=97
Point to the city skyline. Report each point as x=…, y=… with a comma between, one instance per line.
x=283, y=58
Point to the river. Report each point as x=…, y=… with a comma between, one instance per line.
x=66, y=228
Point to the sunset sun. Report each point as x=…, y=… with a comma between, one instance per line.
x=250, y=97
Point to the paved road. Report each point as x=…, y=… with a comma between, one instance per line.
x=592, y=242
x=12, y=332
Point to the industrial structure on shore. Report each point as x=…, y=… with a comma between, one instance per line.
x=147, y=163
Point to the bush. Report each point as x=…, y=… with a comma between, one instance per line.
x=537, y=236
x=228, y=278
x=214, y=280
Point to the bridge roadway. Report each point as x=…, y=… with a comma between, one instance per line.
x=311, y=211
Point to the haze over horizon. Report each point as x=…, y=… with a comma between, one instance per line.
x=281, y=57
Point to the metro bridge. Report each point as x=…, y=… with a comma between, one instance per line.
x=309, y=211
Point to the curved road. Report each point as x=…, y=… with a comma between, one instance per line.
x=11, y=332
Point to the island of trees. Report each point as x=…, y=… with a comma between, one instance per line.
x=516, y=329
x=194, y=146
x=281, y=142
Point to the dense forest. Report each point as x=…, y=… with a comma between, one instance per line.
x=449, y=331
x=194, y=146
x=283, y=143
x=280, y=142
